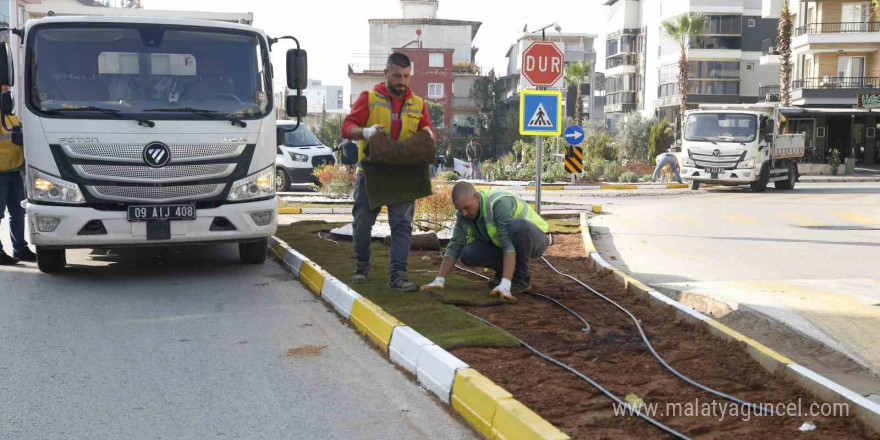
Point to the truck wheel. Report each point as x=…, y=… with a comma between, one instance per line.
x=760, y=185
x=792, y=178
x=253, y=252
x=695, y=185
x=51, y=260
x=282, y=182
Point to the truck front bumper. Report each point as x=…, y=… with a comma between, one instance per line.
x=725, y=177
x=122, y=233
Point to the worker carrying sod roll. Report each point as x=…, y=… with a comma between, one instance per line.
x=495, y=230
x=391, y=123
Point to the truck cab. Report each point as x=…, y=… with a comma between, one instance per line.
x=147, y=132
x=738, y=145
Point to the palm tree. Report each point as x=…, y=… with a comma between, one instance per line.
x=575, y=73
x=688, y=25
x=783, y=46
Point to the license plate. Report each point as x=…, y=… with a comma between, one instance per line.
x=161, y=212
x=715, y=170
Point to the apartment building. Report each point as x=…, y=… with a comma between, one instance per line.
x=641, y=62
x=576, y=47
x=836, y=78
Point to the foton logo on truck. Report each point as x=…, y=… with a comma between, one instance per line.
x=78, y=140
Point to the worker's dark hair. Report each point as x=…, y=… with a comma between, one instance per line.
x=461, y=190
x=398, y=59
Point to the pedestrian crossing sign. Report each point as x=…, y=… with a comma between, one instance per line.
x=540, y=112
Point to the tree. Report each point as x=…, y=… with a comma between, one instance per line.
x=631, y=139
x=494, y=119
x=783, y=46
x=874, y=13
x=437, y=113
x=659, y=139
x=688, y=25
x=575, y=73
x=328, y=133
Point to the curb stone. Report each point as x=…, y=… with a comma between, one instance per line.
x=864, y=409
x=488, y=408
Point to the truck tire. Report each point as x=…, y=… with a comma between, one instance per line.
x=253, y=252
x=695, y=185
x=760, y=185
x=788, y=183
x=282, y=182
x=51, y=260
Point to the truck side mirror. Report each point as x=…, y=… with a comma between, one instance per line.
x=6, y=103
x=7, y=70
x=297, y=69
x=297, y=106
x=279, y=136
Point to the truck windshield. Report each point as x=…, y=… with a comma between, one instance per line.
x=302, y=137
x=721, y=127
x=147, y=71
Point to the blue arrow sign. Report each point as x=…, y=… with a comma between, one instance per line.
x=574, y=135
x=540, y=112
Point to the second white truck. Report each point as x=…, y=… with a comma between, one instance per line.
x=739, y=145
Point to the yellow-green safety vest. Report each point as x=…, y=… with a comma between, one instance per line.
x=523, y=211
x=11, y=155
x=380, y=113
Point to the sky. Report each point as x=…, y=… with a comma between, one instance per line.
x=336, y=33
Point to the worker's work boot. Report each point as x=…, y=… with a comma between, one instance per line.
x=402, y=283
x=361, y=271
x=519, y=285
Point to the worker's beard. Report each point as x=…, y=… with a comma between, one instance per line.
x=398, y=90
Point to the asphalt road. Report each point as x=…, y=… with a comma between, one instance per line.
x=190, y=344
x=809, y=258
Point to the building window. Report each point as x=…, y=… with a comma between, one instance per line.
x=752, y=22
x=750, y=67
x=435, y=90
x=435, y=60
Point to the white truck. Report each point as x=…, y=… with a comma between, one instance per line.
x=739, y=145
x=148, y=132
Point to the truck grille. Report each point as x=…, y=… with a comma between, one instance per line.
x=708, y=159
x=325, y=159
x=145, y=174
x=156, y=194
x=133, y=153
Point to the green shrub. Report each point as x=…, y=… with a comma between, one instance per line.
x=659, y=140
x=628, y=177
x=593, y=169
x=448, y=176
x=554, y=172
x=612, y=171
x=337, y=181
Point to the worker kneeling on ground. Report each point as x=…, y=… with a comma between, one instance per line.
x=496, y=230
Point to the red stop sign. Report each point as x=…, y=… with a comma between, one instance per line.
x=542, y=63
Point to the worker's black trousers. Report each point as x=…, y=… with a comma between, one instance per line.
x=528, y=241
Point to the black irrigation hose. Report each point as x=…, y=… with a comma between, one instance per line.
x=635, y=410
x=586, y=328
x=663, y=362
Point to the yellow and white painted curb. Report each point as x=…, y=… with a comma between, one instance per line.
x=866, y=410
x=492, y=411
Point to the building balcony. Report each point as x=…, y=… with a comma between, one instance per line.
x=768, y=94
x=465, y=102
x=583, y=56
x=769, y=54
x=837, y=82
x=836, y=33
x=466, y=69
x=620, y=108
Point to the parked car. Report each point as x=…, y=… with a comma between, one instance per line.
x=299, y=152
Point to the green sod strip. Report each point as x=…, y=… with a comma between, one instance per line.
x=434, y=315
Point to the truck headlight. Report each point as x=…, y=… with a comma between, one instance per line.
x=299, y=157
x=47, y=188
x=261, y=184
x=747, y=164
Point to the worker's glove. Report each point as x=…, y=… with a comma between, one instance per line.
x=503, y=289
x=438, y=283
x=370, y=131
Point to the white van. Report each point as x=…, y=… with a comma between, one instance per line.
x=299, y=152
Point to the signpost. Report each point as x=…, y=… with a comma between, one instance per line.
x=540, y=112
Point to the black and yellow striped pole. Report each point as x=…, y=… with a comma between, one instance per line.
x=574, y=160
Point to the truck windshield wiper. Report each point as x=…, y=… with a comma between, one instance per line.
x=107, y=111
x=703, y=139
x=206, y=113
